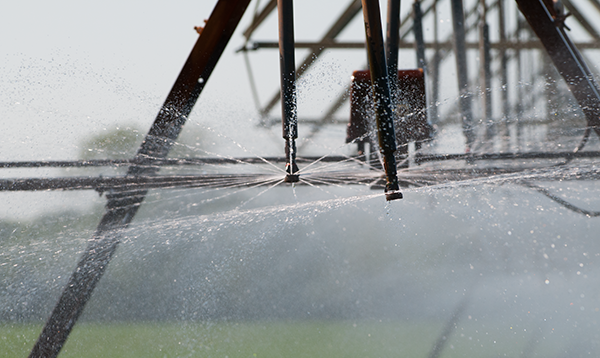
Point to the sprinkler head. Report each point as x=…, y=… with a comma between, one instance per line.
x=393, y=195
x=392, y=190
x=291, y=178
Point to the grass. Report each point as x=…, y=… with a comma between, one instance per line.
x=264, y=339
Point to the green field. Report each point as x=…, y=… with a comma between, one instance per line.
x=275, y=339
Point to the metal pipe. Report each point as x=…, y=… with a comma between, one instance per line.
x=259, y=18
x=418, y=31
x=485, y=72
x=435, y=70
x=419, y=45
x=317, y=48
x=381, y=96
x=566, y=58
x=289, y=120
x=503, y=78
x=458, y=25
x=122, y=205
x=502, y=45
x=391, y=56
x=392, y=40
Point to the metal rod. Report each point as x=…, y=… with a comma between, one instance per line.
x=567, y=59
x=485, y=71
x=392, y=40
x=170, y=162
x=347, y=45
x=391, y=56
x=581, y=19
x=317, y=48
x=127, y=183
x=289, y=120
x=503, y=78
x=418, y=31
x=260, y=18
x=435, y=70
x=381, y=96
x=460, y=52
x=420, y=158
x=518, y=111
x=123, y=205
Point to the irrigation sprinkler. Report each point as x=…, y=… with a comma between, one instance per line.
x=289, y=119
x=381, y=97
x=380, y=88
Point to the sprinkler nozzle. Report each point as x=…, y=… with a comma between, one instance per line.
x=392, y=190
x=393, y=195
x=291, y=176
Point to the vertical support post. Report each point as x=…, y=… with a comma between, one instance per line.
x=123, y=205
x=458, y=24
x=287, y=64
x=503, y=77
x=419, y=39
x=391, y=42
x=419, y=44
x=391, y=52
x=435, y=69
x=548, y=25
x=519, y=104
x=485, y=72
x=381, y=94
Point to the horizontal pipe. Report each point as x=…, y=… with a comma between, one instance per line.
x=424, y=176
x=504, y=45
x=420, y=158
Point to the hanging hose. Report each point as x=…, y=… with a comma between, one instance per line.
x=561, y=201
x=586, y=137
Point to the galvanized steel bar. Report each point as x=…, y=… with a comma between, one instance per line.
x=122, y=205
x=381, y=95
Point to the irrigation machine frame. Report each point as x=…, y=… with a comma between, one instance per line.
x=125, y=194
